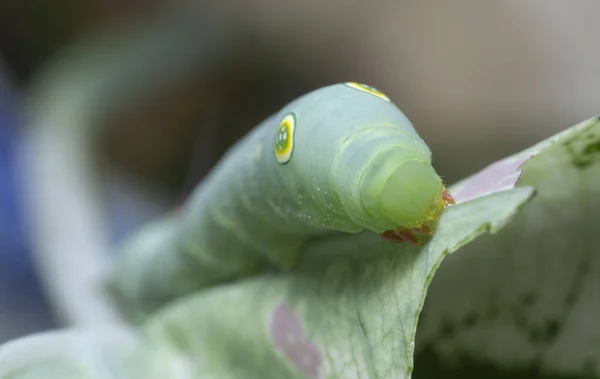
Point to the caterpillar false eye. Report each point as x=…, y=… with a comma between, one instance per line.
x=368, y=89
x=284, y=139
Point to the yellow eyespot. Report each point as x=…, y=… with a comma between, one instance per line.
x=368, y=89
x=284, y=139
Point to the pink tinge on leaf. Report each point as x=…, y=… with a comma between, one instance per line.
x=289, y=337
x=498, y=176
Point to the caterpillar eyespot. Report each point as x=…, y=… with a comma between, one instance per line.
x=368, y=89
x=284, y=139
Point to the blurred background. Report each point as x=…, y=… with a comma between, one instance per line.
x=479, y=80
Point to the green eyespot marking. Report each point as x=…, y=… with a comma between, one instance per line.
x=368, y=89
x=284, y=139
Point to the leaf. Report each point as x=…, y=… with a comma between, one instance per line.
x=527, y=298
x=349, y=311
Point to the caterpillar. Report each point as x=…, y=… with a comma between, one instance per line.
x=342, y=158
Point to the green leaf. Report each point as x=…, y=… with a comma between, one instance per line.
x=349, y=311
x=527, y=298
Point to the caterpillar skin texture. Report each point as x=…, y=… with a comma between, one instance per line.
x=353, y=162
x=340, y=159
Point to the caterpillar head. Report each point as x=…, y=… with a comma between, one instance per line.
x=352, y=140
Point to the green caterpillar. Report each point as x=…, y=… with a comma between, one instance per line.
x=342, y=158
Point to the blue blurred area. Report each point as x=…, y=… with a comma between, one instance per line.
x=23, y=308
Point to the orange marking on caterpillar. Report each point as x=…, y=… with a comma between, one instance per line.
x=407, y=235
x=401, y=235
x=448, y=199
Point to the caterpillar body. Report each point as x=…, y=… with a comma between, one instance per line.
x=342, y=158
